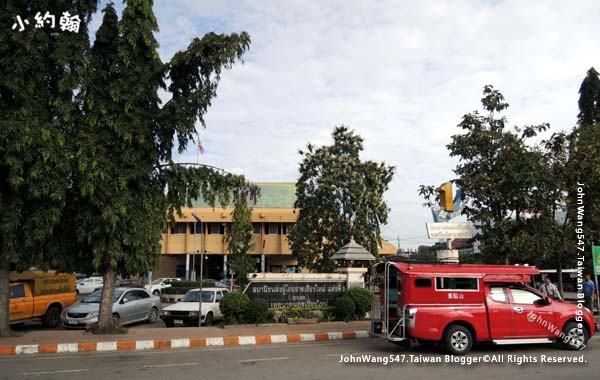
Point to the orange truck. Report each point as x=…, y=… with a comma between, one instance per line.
x=41, y=295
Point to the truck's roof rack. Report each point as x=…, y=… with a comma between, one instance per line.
x=408, y=260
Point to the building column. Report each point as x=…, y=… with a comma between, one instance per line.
x=187, y=266
x=262, y=263
x=224, y=267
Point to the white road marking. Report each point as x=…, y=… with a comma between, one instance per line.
x=246, y=340
x=26, y=349
x=279, y=338
x=307, y=337
x=215, y=341
x=50, y=372
x=180, y=343
x=67, y=347
x=170, y=365
x=262, y=360
x=144, y=345
x=106, y=346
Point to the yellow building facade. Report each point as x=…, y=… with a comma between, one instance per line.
x=203, y=229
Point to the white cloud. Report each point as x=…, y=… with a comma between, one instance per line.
x=401, y=73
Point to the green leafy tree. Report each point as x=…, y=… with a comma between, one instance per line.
x=123, y=147
x=340, y=197
x=39, y=72
x=503, y=179
x=583, y=167
x=589, y=99
x=240, y=241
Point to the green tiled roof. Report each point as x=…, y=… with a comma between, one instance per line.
x=272, y=195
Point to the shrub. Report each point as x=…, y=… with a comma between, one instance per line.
x=344, y=308
x=233, y=306
x=258, y=311
x=363, y=299
x=304, y=312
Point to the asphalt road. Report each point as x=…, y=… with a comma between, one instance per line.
x=309, y=361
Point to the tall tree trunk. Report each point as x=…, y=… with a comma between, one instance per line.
x=559, y=276
x=5, y=330
x=105, y=319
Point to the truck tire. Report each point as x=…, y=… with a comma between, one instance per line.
x=458, y=340
x=575, y=338
x=52, y=317
x=156, y=293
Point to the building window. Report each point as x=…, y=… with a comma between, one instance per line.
x=272, y=228
x=179, y=228
x=200, y=227
x=216, y=228
x=287, y=228
x=256, y=228
x=456, y=283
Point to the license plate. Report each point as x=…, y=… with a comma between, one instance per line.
x=178, y=321
x=72, y=322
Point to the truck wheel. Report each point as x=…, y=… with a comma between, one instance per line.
x=156, y=293
x=458, y=340
x=152, y=315
x=208, y=321
x=52, y=317
x=575, y=338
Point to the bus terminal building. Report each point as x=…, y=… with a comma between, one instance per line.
x=203, y=228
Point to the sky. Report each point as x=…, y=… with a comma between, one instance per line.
x=399, y=73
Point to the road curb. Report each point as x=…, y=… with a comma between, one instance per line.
x=161, y=344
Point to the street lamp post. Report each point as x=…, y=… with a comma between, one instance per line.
x=193, y=274
x=201, y=271
x=200, y=293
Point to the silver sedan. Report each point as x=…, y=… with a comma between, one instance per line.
x=130, y=305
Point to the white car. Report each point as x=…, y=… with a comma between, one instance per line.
x=159, y=284
x=185, y=312
x=88, y=285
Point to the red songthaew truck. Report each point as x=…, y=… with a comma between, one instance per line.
x=458, y=305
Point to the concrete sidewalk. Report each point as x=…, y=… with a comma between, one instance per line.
x=69, y=341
